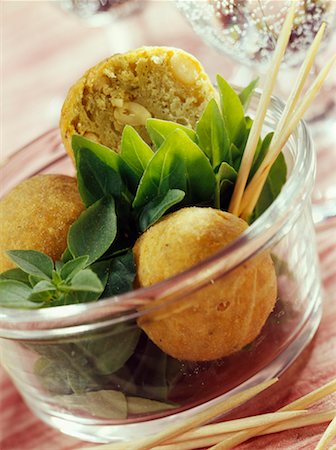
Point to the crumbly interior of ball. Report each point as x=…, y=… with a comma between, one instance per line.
x=128, y=88
x=222, y=317
x=37, y=214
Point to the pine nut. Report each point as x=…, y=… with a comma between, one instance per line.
x=184, y=68
x=132, y=114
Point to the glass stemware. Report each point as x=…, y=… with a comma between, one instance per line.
x=246, y=30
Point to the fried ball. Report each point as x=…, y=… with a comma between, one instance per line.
x=36, y=215
x=128, y=88
x=219, y=319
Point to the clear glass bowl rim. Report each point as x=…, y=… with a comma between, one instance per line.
x=80, y=318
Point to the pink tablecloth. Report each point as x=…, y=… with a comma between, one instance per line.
x=44, y=51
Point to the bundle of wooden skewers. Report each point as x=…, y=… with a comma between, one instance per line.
x=244, y=197
x=196, y=432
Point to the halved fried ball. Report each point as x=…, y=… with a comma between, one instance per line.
x=36, y=215
x=128, y=88
x=219, y=319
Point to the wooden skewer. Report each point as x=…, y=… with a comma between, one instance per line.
x=312, y=397
x=300, y=81
x=254, y=188
x=193, y=422
x=327, y=436
x=293, y=98
x=204, y=437
x=203, y=417
x=211, y=434
x=253, y=138
x=303, y=402
x=304, y=421
x=245, y=423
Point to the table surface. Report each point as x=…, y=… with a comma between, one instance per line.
x=44, y=51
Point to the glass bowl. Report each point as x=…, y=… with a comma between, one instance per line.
x=89, y=371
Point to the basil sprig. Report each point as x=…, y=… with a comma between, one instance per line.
x=39, y=283
x=127, y=192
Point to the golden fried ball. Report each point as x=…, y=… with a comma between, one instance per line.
x=221, y=318
x=36, y=215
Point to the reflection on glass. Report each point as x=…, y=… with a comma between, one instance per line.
x=100, y=12
x=248, y=29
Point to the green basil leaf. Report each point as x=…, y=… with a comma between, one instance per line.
x=81, y=297
x=72, y=267
x=14, y=294
x=58, y=266
x=121, y=276
x=178, y=164
x=68, y=361
x=225, y=193
x=16, y=275
x=85, y=280
x=235, y=157
x=42, y=292
x=149, y=372
x=212, y=135
x=33, y=280
x=246, y=93
x=74, y=297
x=232, y=111
x=56, y=277
x=96, y=179
x=101, y=269
x=273, y=185
x=135, y=152
x=249, y=122
x=32, y=262
x=159, y=130
x=94, y=231
x=43, y=286
x=227, y=172
x=226, y=178
x=100, y=171
x=107, y=404
x=52, y=377
x=157, y=207
x=139, y=405
x=109, y=353
x=260, y=153
x=67, y=256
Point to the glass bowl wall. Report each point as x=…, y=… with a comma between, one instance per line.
x=90, y=372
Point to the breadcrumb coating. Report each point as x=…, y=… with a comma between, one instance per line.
x=219, y=319
x=36, y=215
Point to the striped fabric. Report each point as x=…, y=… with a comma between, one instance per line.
x=44, y=51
